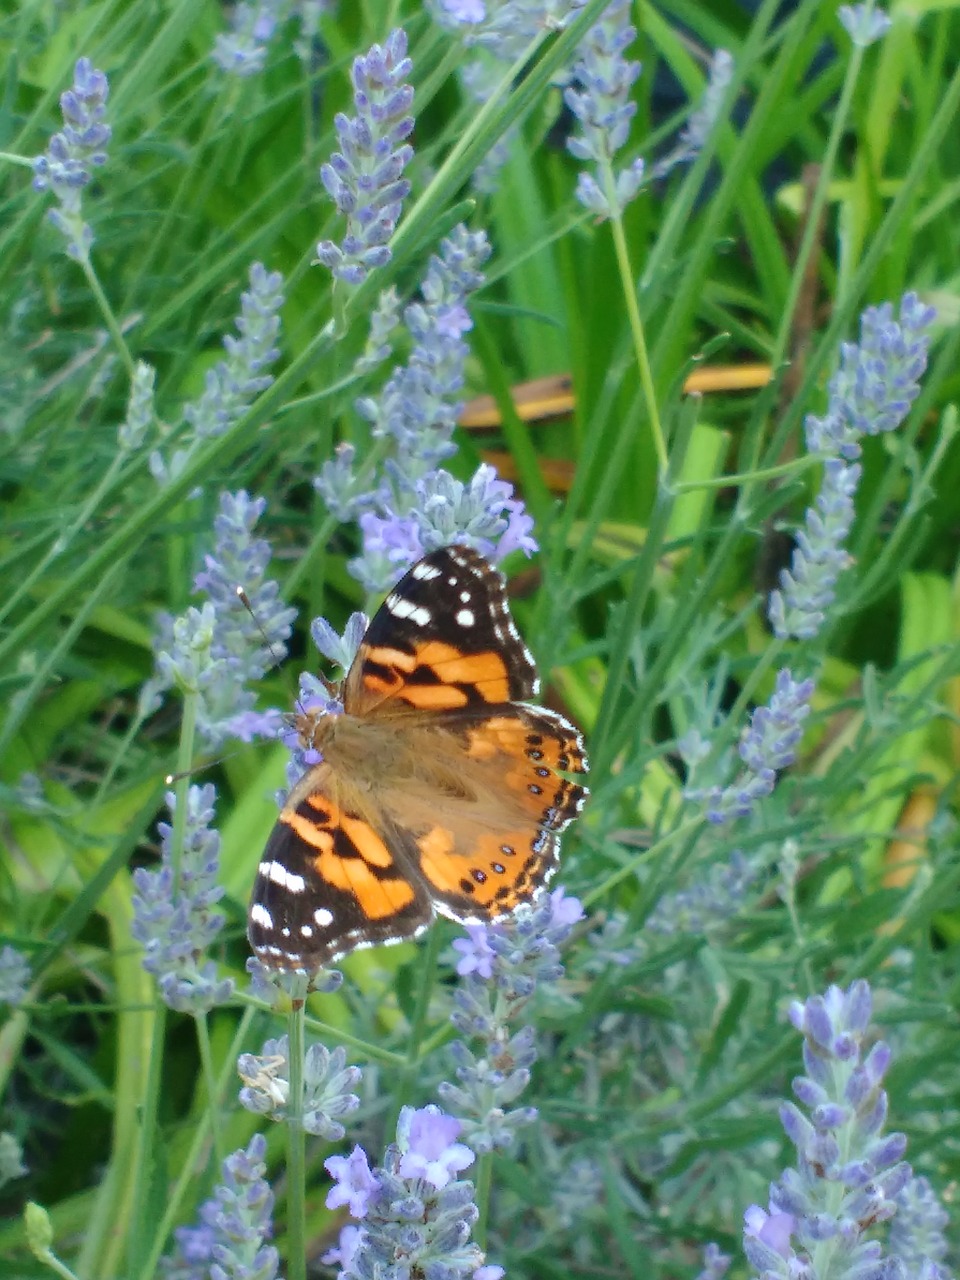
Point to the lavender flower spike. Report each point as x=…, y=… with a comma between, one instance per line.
x=14, y=977
x=219, y=650
x=848, y=1173
x=500, y=967
x=767, y=746
x=414, y=1217
x=65, y=166
x=917, y=1232
x=327, y=1081
x=870, y=393
x=176, y=923
x=243, y=50
x=365, y=176
x=232, y=384
x=603, y=107
x=228, y=1243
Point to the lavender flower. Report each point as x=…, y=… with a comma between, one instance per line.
x=715, y=1263
x=419, y=406
x=415, y=1217
x=11, y=1159
x=14, y=977
x=703, y=119
x=848, y=1172
x=870, y=393
x=917, y=1232
x=65, y=166
x=863, y=23
x=232, y=384
x=133, y=430
x=442, y=510
x=708, y=902
x=364, y=176
x=243, y=50
x=417, y=505
x=327, y=1081
x=501, y=966
x=228, y=1243
x=174, y=918
x=504, y=28
x=767, y=746
x=807, y=588
x=384, y=321
x=219, y=649
x=603, y=107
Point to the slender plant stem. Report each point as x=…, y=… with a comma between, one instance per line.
x=629, y=284
x=106, y=311
x=192, y=1161
x=824, y=178
x=210, y=1076
x=795, y=467
x=296, y=1155
x=484, y=1185
x=151, y=1103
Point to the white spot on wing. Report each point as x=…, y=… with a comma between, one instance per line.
x=279, y=874
x=323, y=917
x=465, y=618
x=261, y=916
x=425, y=572
x=403, y=608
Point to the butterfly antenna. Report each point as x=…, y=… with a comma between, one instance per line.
x=274, y=652
x=271, y=648
x=201, y=767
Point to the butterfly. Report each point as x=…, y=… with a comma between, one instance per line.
x=440, y=789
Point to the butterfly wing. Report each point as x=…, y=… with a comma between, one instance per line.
x=328, y=882
x=443, y=640
x=483, y=835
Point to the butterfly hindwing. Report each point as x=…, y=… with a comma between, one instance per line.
x=443, y=640
x=489, y=845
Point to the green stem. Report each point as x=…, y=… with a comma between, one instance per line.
x=628, y=282
x=794, y=467
x=151, y=1102
x=210, y=1076
x=296, y=1156
x=418, y=1024
x=825, y=177
x=484, y=1184
x=107, y=312
x=50, y=1259
x=121, y=753
x=19, y=705
x=192, y=1161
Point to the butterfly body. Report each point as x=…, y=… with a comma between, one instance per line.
x=439, y=789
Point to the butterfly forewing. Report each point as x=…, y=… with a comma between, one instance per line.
x=443, y=640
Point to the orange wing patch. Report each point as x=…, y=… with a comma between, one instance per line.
x=348, y=855
x=434, y=677
x=483, y=858
x=493, y=875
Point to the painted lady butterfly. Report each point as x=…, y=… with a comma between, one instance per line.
x=440, y=788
